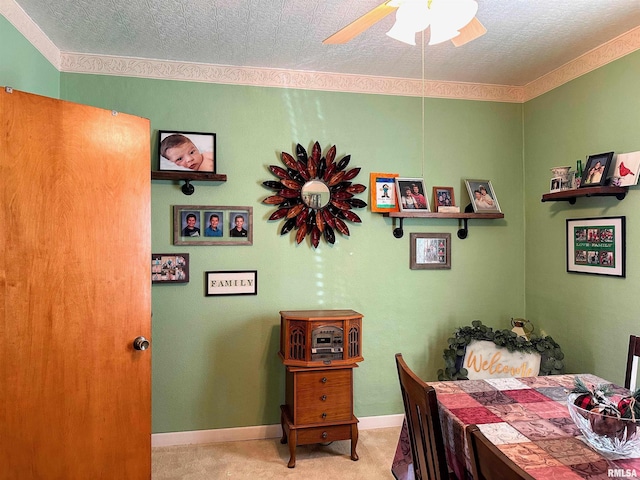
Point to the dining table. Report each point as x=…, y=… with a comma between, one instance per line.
x=528, y=420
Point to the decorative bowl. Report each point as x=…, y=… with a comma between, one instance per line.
x=560, y=171
x=604, y=432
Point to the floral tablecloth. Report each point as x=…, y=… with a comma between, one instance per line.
x=527, y=418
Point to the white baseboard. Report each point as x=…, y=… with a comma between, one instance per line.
x=259, y=432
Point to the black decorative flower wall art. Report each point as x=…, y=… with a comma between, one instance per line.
x=314, y=194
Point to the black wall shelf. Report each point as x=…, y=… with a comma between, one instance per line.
x=187, y=177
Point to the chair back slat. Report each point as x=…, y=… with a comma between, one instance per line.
x=631, y=376
x=423, y=425
x=488, y=462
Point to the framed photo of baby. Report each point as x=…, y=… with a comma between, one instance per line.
x=595, y=172
x=483, y=197
x=186, y=152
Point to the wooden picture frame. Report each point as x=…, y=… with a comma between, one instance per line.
x=193, y=152
x=443, y=197
x=231, y=282
x=205, y=230
x=430, y=251
x=411, y=195
x=596, y=246
x=483, y=197
x=596, y=169
x=169, y=268
x=383, y=192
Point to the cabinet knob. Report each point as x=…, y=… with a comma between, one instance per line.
x=324, y=435
x=324, y=380
x=323, y=398
x=324, y=415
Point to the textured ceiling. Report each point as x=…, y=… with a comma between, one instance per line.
x=525, y=39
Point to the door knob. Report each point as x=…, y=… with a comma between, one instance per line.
x=140, y=343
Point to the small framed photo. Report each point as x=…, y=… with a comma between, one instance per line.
x=443, y=197
x=430, y=251
x=482, y=195
x=596, y=246
x=212, y=225
x=411, y=195
x=383, y=192
x=556, y=184
x=232, y=282
x=625, y=172
x=595, y=171
x=187, y=152
x=169, y=268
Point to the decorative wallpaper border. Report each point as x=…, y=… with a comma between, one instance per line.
x=266, y=77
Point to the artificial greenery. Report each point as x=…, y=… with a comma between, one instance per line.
x=550, y=364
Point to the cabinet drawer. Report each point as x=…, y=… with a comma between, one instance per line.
x=323, y=396
x=323, y=434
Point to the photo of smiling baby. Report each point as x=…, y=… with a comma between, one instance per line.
x=187, y=151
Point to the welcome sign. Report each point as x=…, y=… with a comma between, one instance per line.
x=484, y=359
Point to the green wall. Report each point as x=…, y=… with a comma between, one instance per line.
x=590, y=316
x=215, y=359
x=22, y=66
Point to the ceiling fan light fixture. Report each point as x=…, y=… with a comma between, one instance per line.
x=411, y=18
x=448, y=17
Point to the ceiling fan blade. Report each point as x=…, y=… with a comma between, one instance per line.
x=361, y=24
x=470, y=31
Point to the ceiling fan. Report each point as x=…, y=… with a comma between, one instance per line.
x=453, y=20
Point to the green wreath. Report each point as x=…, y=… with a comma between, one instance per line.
x=550, y=364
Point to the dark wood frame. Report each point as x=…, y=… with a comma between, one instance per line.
x=605, y=161
x=581, y=226
x=413, y=262
x=202, y=210
x=157, y=270
x=196, y=138
x=231, y=276
x=437, y=204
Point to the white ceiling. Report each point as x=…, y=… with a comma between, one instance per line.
x=526, y=39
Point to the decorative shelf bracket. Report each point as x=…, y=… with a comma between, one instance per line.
x=463, y=219
x=187, y=188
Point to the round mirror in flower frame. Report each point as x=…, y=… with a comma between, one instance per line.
x=314, y=194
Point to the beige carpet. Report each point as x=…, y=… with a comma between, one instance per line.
x=267, y=459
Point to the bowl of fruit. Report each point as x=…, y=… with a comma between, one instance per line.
x=609, y=422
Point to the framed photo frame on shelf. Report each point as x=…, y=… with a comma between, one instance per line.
x=232, y=282
x=193, y=152
x=430, y=251
x=595, y=171
x=411, y=195
x=169, y=268
x=596, y=246
x=626, y=170
x=383, y=192
x=483, y=197
x=212, y=225
x=443, y=197
x=555, y=185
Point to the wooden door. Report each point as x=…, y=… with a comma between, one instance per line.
x=75, y=285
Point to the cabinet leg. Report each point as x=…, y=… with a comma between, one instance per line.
x=354, y=441
x=293, y=439
x=283, y=440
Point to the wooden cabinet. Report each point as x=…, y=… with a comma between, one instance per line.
x=319, y=407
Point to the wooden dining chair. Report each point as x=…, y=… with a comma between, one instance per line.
x=488, y=462
x=423, y=425
x=632, y=363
